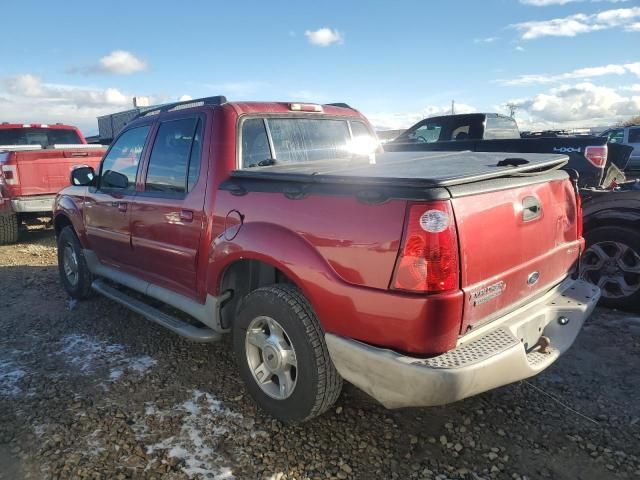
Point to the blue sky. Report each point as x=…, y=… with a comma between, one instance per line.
x=564, y=62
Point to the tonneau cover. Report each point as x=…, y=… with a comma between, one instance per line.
x=437, y=169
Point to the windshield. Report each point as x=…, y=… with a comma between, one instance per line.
x=44, y=137
x=267, y=141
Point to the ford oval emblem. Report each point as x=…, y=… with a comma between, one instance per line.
x=533, y=278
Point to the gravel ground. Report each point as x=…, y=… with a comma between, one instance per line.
x=90, y=390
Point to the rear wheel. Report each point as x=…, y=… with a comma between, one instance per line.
x=612, y=261
x=282, y=356
x=8, y=229
x=72, y=266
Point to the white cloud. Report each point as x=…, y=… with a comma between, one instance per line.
x=324, y=37
x=577, y=24
x=184, y=98
x=519, y=48
x=634, y=27
x=579, y=74
x=120, y=62
x=29, y=99
x=400, y=120
x=582, y=104
x=485, y=40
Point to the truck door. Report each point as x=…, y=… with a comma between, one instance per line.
x=167, y=215
x=108, y=206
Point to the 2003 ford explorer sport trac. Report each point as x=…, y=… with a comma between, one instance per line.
x=422, y=278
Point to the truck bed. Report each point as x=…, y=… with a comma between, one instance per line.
x=410, y=169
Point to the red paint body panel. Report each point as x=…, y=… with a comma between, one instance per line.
x=339, y=251
x=509, y=250
x=43, y=171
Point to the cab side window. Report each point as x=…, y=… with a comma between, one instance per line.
x=120, y=166
x=616, y=136
x=174, y=163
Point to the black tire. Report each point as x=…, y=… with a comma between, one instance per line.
x=318, y=383
x=602, y=242
x=8, y=229
x=81, y=287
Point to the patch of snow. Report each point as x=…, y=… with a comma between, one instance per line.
x=204, y=419
x=88, y=354
x=10, y=376
x=11, y=372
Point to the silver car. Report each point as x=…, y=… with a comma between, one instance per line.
x=628, y=136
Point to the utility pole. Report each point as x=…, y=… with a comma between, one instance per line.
x=453, y=107
x=512, y=108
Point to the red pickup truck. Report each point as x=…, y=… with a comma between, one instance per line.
x=35, y=161
x=421, y=282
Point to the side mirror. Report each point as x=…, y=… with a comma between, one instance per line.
x=111, y=179
x=82, y=176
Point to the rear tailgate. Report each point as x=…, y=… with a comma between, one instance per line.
x=42, y=172
x=515, y=242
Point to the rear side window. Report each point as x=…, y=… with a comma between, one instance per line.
x=175, y=157
x=255, y=143
x=501, y=128
x=359, y=129
x=634, y=135
x=120, y=166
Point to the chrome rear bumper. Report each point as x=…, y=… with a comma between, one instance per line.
x=499, y=353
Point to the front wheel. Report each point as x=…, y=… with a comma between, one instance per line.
x=282, y=356
x=612, y=262
x=72, y=266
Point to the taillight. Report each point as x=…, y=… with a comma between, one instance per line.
x=596, y=155
x=8, y=174
x=428, y=260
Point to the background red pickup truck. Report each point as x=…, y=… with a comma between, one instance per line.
x=35, y=162
x=422, y=278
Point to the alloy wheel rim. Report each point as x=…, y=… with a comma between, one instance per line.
x=271, y=357
x=70, y=264
x=614, y=267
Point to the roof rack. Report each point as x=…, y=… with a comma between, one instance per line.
x=339, y=104
x=195, y=102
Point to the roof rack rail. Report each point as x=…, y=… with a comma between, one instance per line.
x=195, y=102
x=339, y=104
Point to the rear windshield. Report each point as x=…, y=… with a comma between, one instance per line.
x=269, y=141
x=501, y=128
x=38, y=136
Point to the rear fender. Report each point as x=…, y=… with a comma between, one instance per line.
x=272, y=244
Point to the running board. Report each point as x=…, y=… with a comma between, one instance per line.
x=180, y=327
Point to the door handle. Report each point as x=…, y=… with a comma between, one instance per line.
x=186, y=215
x=122, y=206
